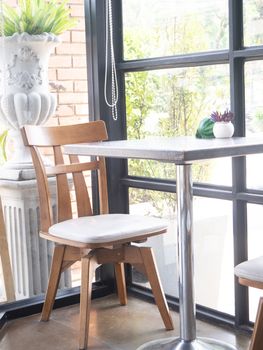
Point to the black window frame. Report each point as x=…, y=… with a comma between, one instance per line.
x=120, y=181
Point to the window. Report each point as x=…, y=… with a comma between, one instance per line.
x=176, y=63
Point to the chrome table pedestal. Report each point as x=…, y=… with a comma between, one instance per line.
x=187, y=339
x=179, y=344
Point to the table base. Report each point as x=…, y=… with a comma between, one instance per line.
x=179, y=344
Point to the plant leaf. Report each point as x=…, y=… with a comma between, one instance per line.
x=3, y=137
x=38, y=16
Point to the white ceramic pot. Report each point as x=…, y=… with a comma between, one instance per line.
x=223, y=130
x=24, y=95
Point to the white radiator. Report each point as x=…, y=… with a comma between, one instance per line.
x=30, y=254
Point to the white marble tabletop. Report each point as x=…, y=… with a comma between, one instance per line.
x=179, y=150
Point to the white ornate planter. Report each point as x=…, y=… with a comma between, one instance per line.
x=223, y=130
x=25, y=97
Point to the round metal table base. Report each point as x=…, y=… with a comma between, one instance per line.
x=179, y=344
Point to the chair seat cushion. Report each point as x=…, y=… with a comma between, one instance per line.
x=107, y=228
x=251, y=269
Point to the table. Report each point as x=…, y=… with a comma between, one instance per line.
x=182, y=151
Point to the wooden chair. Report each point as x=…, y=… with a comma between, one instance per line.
x=250, y=274
x=93, y=239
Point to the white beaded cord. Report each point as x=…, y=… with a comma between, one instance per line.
x=109, y=49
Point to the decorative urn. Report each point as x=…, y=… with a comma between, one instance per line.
x=24, y=96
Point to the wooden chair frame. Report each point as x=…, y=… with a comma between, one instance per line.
x=256, y=342
x=67, y=252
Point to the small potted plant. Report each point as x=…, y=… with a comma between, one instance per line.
x=223, y=126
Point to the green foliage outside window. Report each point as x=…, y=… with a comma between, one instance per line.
x=170, y=103
x=253, y=19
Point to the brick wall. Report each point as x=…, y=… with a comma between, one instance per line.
x=68, y=73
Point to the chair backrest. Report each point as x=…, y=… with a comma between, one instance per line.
x=55, y=137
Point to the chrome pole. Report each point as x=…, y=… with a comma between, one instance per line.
x=187, y=339
x=185, y=252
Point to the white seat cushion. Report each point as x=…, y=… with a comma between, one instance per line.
x=251, y=269
x=106, y=228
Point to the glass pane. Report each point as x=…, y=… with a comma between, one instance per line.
x=254, y=118
x=172, y=102
x=253, y=20
x=155, y=28
x=215, y=171
x=214, y=271
x=255, y=244
x=213, y=248
x=160, y=204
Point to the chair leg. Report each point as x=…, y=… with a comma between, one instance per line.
x=53, y=282
x=154, y=279
x=121, y=284
x=88, y=266
x=257, y=336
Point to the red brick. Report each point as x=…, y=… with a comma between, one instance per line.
x=59, y=61
x=71, y=73
x=65, y=37
x=68, y=85
x=82, y=109
x=81, y=86
x=65, y=110
x=80, y=24
x=77, y=10
x=62, y=86
x=73, y=120
x=79, y=61
x=79, y=36
x=52, y=74
x=53, y=121
x=75, y=2
x=74, y=98
x=71, y=49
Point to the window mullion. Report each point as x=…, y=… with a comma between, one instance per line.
x=237, y=96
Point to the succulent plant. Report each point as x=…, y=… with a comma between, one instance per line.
x=36, y=17
x=226, y=116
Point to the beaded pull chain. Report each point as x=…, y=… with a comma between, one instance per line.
x=110, y=48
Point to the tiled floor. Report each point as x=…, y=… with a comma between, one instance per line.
x=112, y=327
